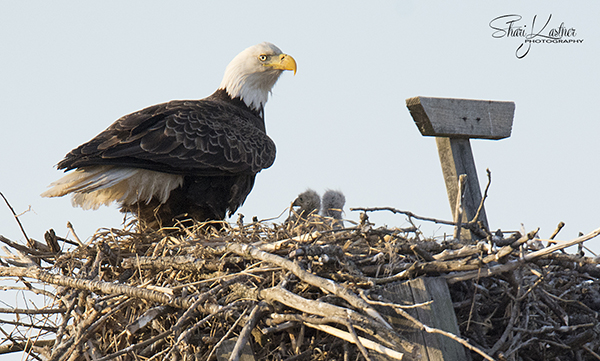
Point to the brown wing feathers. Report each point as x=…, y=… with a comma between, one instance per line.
x=185, y=137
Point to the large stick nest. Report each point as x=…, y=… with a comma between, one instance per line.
x=303, y=290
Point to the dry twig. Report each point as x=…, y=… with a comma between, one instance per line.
x=179, y=292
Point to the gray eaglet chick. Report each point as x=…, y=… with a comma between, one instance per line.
x=333, y=206
x=307, y=203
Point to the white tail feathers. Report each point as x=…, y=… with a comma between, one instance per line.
x=102, y=185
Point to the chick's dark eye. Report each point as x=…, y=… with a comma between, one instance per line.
x=262, y=57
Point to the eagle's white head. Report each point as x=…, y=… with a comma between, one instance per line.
x=252, y=73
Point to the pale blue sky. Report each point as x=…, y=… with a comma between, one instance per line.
x=68, y=69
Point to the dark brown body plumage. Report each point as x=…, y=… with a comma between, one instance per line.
x=217, y=144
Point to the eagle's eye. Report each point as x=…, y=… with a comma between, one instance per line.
x=262, y=57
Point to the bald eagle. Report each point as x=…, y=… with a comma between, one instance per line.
x=183, y=158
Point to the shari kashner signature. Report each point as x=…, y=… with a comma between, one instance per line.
x=509, y=26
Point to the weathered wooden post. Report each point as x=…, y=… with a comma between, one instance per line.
x=438, y=314
x=453, y=122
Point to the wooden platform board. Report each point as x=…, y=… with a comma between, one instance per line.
x=462, y=118
x=439, y=314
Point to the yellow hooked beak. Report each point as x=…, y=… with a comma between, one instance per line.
x=283, y=62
